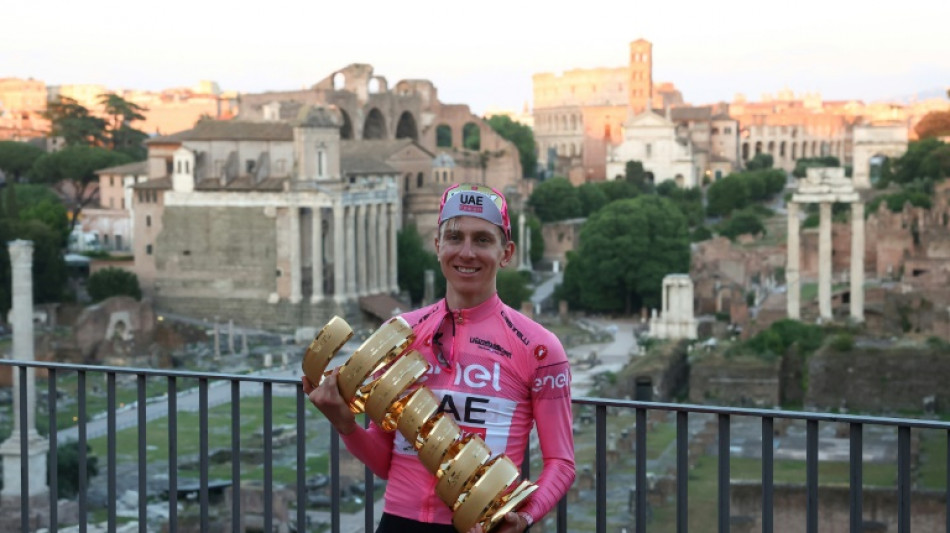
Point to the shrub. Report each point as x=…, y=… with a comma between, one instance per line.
x=842, y=343
x=112, y=281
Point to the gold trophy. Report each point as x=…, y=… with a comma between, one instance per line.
x=377, y=378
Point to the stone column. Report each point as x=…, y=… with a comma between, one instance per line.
x=21, y=263
x=393, y=283
x=317, y=261
x=231, y=336
x=217, y=340
x=382, y=260
x=521, y=247
x=339, y=279
x=793, y=264
x=351, y=251
x=371, y=246
x=362, y=284
x=824, y=261
x=295, y=282
x=857, y=261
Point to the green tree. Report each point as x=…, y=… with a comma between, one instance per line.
x=907, y=167
x=618, y=189
x=72, y=171
x=726, y=195
x=16, y=158
x=555, y=199
x=40, y=203
x=592, y=198
x=760, y=162
x=112, y=281
x=73, y=122
x=49, y=267
x=634, y=173
x=522, y=137
x=895, y=202
x=122, y=137
x=67, y=469
x=625, y=250
x=936, y=164
x=412, y=260
x=744, y=222
x=513, y=287
x=688, y=201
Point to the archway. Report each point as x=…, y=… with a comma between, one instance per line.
x=406, y=127
x=745, y=151
x=339, y=81
x=375, y=125
x=758, y=147
x=471, y=136
x=346, y=130
x=443, y=136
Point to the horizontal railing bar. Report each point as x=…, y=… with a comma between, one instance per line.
x=777, y=413
x=609, y=402
x=154, y=372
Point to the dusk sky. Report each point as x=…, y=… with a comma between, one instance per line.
x=484, y=54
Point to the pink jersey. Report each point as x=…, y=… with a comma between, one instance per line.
x=497, y=373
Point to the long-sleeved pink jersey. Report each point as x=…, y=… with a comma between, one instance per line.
x=497, y=373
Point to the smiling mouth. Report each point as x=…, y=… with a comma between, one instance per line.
x=466, y=270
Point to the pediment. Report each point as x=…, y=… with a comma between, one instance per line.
x=649, y=119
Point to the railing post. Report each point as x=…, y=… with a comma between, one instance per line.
x=768, y=470
x=856, y=483
x=811, y=476
x=601, y=466
x=641, y=460
x=724, y=473
x=903, y=479
x=236, y=456
x=682, y=471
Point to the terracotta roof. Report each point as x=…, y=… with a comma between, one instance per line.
x=139, y=167
x=230, y=130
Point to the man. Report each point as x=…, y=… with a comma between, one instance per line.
x=497, y=373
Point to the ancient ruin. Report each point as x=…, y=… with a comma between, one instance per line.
x=17, y=467
x=676, y=320
x=825, y=186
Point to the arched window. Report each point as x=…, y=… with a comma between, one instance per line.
x=419, y=180
x=375, y=125
x=471, y=136
x=443, y=136
x=148, y=221
x=406, y=127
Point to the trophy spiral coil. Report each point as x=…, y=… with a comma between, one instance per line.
x=479, y=488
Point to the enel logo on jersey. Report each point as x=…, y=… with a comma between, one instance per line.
x=474, y=376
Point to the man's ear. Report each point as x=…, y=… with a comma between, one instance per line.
x=508, y=254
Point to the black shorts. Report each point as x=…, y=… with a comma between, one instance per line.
x=396, y=524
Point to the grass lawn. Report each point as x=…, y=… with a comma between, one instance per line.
x=219, y=435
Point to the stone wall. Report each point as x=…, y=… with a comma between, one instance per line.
x=216, y=252
x=874, y=379
x=735, y=381
x=834, y=510
x=260, y=313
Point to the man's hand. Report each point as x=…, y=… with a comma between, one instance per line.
x=513, y=523
x=326, y=397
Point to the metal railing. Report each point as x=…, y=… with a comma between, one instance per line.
x=138, y=416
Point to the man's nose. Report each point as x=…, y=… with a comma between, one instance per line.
x=468, y=248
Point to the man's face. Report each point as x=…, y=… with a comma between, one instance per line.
x=470, y=251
